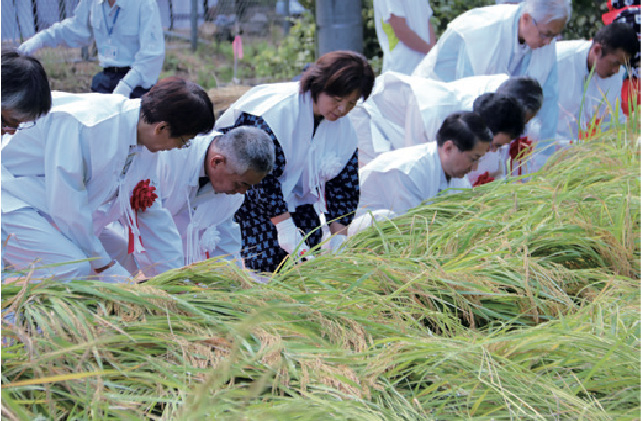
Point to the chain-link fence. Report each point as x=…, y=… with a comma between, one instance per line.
x=214, y=64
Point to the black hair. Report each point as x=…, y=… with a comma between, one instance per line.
x=184, y=105
x=617, y=36
x=25, y=87
x=524, y=89
x=465, y=129
x=501, y=114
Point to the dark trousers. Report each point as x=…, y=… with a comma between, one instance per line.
x=105, y=83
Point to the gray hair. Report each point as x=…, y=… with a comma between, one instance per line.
x=526, y=90
x=246, y=148
x=544, y=11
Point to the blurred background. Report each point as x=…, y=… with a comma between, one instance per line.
x=279, y=37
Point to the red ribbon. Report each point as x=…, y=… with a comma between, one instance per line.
x=142, y=197
x=630, y=94
x=591, y=131
x=519, y=148
x=483, y=179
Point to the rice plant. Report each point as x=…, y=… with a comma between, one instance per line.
x=517, y=300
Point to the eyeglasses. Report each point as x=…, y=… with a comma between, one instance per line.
x=15, y=126
x=547, y=35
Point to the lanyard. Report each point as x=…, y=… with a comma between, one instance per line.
x=104, y=15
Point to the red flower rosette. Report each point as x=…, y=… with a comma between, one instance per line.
x=519, y=148
x=483, y=179
x=142, y=197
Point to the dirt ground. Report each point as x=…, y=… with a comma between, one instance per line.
x=68, y=71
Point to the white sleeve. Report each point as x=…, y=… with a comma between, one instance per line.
x=548, y=115
x=66, y=193
x=229, y=243
x=393, y=190
x=72, y=32
x=158, y=232
x=160, y=238
x=415, y=125
x=395, y=7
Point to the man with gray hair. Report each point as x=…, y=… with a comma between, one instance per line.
x=202, y=187
x=26, y=94
x=517, y=39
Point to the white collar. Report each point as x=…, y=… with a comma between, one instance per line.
x=117, y=3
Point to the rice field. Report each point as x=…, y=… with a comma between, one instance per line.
x=517, y=300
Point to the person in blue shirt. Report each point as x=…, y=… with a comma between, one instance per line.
x=129, y=37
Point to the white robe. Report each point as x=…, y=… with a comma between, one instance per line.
x=200, y=214
x=484, y=41
x=405, y=110
x=70, y=168
x=490, y=43
x=601, y=97
x=397, y=56
x=312, y=159
x=400, y=180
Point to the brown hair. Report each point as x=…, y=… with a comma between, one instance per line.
x=338, y=73
x=183, y=104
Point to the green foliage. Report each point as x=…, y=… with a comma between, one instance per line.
x=371, y=48
x=289, y=57
x=585, y=20
x=446, y=10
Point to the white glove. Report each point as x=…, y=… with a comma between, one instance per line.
x=290, y=238
x=336, y=243
x=30, y=46
x=115, y=274
x=122, y=89
x=210, y=239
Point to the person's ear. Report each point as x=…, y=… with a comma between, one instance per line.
x=598, y=50
x=526, y=18
x=160, y=126
x=216, y=159
x=449, y=146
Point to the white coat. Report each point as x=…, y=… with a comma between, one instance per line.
x=484, y=41
x=312, y=159
x=578, y=105
x=78, y=166
x=400, y=180
x=203, y=217
x=406, y=110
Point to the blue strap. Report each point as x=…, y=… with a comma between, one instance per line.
x=104, y=15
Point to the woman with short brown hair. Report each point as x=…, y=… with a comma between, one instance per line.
x=316, y=169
